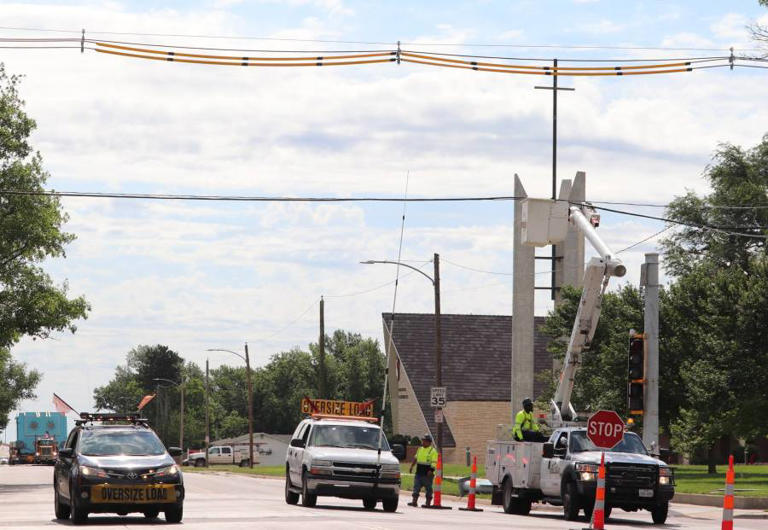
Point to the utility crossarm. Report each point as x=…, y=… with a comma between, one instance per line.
x=596, y=276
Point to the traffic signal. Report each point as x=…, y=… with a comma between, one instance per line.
x=636, y=373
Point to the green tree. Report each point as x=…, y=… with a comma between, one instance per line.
x=30, y=232
x=739, y=179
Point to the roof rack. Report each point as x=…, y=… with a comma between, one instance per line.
x=339, y=417
x=110, y=417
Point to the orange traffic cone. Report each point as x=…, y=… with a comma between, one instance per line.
x=728, y=499
x=598, y=513
x=437, y=501
x=472, y=485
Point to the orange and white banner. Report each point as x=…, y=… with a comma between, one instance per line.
x=145, y=400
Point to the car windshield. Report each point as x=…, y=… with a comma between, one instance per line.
x=631, y=443
x=348, y=436
x=124, y=443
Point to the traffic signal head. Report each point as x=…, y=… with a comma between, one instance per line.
x=635, y=398
x=636, y=358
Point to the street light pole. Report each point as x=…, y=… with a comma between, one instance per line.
x=250, y=407
x=247, y=360
x=207, y=416
x=438, y=328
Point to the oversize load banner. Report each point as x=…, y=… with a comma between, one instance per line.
x=337, y=408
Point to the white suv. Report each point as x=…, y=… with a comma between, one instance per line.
x=340, y=458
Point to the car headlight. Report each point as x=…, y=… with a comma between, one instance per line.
x=587, y=472
x=666, y=477
x=92, y=472
x=168, y=471
x=390, y=470
x=321, y=467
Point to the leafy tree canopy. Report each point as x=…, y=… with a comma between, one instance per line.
x=30, y=232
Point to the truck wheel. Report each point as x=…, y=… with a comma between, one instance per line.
x=199, y=462
x=290, y=497
x=62, y=510
x=369, y=503
x=659, y=513
x=307, y=499
x=506, y=499
x=390, y=504
x=571, y=502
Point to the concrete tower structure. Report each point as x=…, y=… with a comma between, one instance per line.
x=569, y=267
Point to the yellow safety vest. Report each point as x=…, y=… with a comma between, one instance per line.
x=524, y=422
x=426, y=456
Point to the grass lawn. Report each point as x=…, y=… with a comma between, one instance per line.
x=751, y=481
x=275, y=471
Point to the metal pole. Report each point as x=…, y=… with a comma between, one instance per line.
x=250, y=407
x=651, y=394
x=554, y=167
x=438, y=345
x=207, y=418
x=181, y=418
x=321, y=349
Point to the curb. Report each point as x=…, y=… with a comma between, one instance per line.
x=741, y=503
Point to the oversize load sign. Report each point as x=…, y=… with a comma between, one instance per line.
x=337, y=408
x=605, y=428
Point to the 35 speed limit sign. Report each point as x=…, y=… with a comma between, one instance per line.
x=437, y=396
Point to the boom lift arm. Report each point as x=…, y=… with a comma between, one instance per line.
x=596, y=276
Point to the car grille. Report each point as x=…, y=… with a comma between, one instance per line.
x=348, y=469
x=131, y=474
x=632, y=475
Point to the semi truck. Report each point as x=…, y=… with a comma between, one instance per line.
x=563, y=470
x=41, y=433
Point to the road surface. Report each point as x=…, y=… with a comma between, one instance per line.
x=238, y=501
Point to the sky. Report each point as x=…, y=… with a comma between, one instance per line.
x=200, y=275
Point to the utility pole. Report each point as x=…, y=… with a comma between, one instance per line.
x=181, y=419
x=250, y=407
x=650, y=281
x=554, y=88
x=438, y=345
x=207, y=418
x=321, y=348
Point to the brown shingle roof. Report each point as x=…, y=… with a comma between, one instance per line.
x=476, y=355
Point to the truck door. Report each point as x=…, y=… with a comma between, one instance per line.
x=296, y=454
x=227, y=456
x=552, y=468
x=214, y=455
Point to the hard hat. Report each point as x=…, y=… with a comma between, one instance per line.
x=427, y=437
x=527, y=401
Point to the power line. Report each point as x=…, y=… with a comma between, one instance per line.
x=476, y=270
x=415, y=43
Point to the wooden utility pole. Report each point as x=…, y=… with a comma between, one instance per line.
x=207, y=418
x=438, y=345
x=321, y=352
x=250, y=407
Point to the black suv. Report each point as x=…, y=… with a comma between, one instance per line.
x=117, y=466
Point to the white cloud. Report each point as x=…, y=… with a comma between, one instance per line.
x=603, y=26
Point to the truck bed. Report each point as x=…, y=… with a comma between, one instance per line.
x=519, y=460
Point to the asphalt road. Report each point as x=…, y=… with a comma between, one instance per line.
x=238, y=501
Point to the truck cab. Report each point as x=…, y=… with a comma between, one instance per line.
x=563, y=472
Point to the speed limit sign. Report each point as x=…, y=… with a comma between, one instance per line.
x=437, y=396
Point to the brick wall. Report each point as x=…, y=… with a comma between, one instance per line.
x=473, y=423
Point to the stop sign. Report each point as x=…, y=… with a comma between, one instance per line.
x=605, y=428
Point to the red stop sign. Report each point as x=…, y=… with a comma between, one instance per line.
x=605, y=428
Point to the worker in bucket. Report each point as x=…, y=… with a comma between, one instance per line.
x=425, y=463
x=526, y=429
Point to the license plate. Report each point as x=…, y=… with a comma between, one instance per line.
x=150, y=493
x=645, y=493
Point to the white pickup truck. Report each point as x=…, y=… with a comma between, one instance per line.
x=341, y=458
x=563, y=472
x=221, y=454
